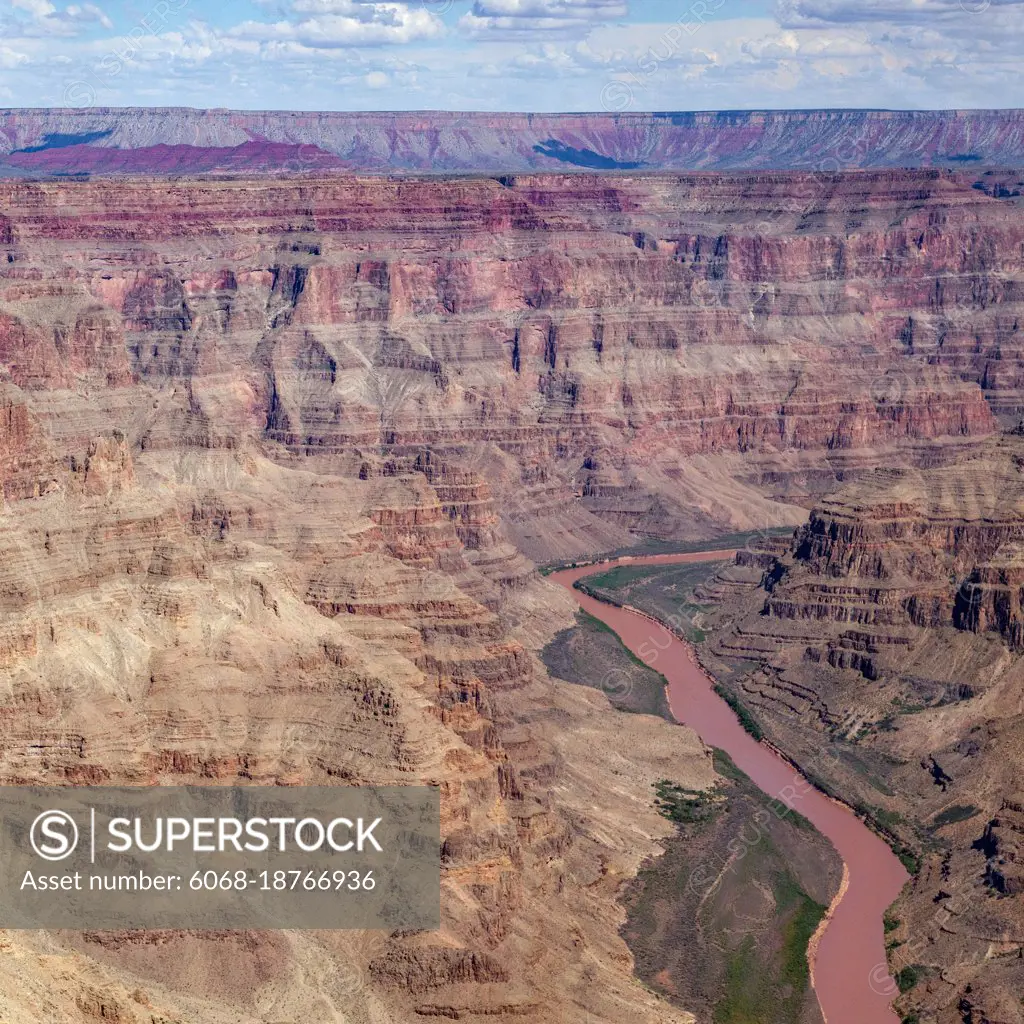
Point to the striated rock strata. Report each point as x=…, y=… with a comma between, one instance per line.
x=606, y=355
x=183, y=141
x=882, y=648
x=276, y=457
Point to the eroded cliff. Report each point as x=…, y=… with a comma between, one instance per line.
x=882, y=648
x=179, y=140
x=275, y=458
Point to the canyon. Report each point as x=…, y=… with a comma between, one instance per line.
x=279, y=460
x=182, y=141
x=880, y=647
x=849, y=948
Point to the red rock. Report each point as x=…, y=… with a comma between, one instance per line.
x=181, y=140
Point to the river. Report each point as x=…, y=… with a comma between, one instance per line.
x=848, y=954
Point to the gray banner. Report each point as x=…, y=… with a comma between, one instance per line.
x=215, y=857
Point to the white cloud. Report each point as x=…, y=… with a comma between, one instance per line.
x=37, y=8
x=519, y=54
x=510, y=19
x=11, y=58
x=87, y=13
x=593, y=10
x=48, y=21
x=795, y=13
x=341, y=23
x=789, y=45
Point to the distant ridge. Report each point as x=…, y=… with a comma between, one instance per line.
x=180, y=140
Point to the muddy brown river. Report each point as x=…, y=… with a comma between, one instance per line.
x=848, y=955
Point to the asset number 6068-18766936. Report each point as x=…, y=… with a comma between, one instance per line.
x=281, y=881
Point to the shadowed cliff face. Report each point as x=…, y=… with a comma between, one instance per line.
x=275, y=458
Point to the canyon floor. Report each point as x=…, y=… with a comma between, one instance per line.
x=280, y=460
x=737, y=952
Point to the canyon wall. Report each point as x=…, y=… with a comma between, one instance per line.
x=558, y=337
x=277, y=459
x=882, y=647
x=183, y=141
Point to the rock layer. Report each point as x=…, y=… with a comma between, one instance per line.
x=181, y=140
x=555, y=336
x=882, y=647
x=274, y=455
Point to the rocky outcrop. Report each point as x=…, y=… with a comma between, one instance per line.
x=26, y=458
x=882, y=650
x=1004, y=842
x=213, y=616
x=918, y=548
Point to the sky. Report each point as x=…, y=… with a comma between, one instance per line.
x=494, y=55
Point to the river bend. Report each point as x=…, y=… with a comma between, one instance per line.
x=848, y=955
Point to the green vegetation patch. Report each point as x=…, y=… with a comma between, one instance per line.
x=726, y=767
x=954, y=814
x=720, y=924
x=681, y=805
x=907, y=977
x=805, y=916
x=620, y=576
x=591, y=654
x=747, y=720
x=649, y=546
x=756, y=992
x=888, y=824
x=743, y=1000
x=666, y=592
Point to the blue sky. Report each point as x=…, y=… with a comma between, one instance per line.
x=617, y=55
